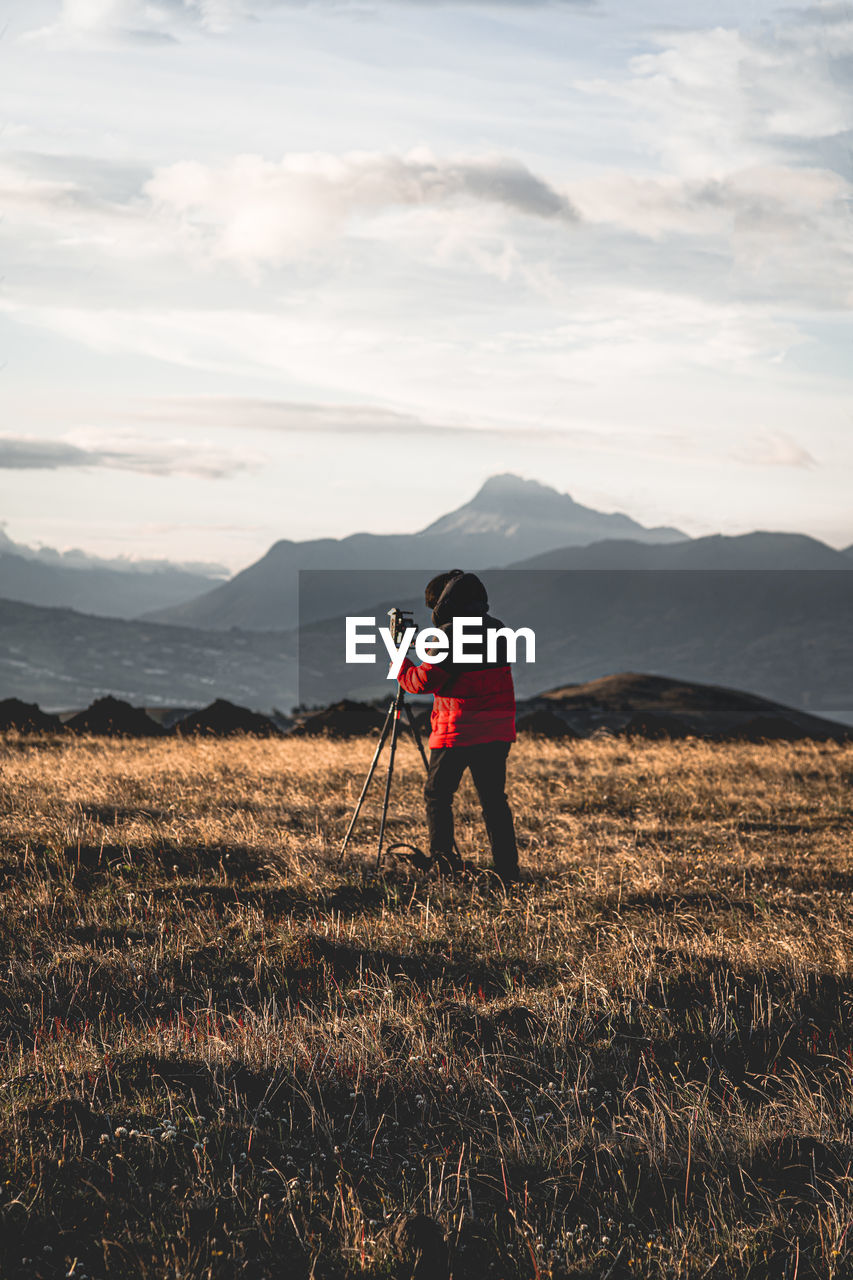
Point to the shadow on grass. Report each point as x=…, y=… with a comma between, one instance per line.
x=264, y=1132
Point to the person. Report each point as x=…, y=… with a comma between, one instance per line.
x=472, y=724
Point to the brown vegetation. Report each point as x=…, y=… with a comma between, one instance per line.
x=223, y=1055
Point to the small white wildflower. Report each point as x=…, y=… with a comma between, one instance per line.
x=104, y=1139
x=134, y=1133
x=121, y=1132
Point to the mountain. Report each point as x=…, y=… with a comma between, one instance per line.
x=111, y=588
x=63, y=659
x=848, y=551
x=508, y=519
x=786, y=634
x=512, y=508
x=743, y=551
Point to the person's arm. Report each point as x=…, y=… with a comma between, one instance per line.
x=427, y=678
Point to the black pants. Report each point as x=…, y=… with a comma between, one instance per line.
x=487, y=762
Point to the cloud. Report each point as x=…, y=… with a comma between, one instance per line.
x=710, y=101
x=745, y=137
x=256, y=211
x=611, y=333
x=784, y=229
x=28, y=453
x=259, y=213
x=289, y=417
x=774, y=449
x=141, y=22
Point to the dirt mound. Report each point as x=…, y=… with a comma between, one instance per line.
x=223, y=719
x=767, y=729
x=26, y=717
x=343, y=719
x=648, y=724
x=110, y=717
x=544, y=724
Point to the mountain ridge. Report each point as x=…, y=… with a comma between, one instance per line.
x=760, y=550
x=106, y=592
x=504, y=500
x=507, y=519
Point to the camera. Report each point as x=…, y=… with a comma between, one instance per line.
x=398, y=620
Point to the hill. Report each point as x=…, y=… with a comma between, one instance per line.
x=109, y=588
x=508, y=519
x=759, y=550
x=785, y=634
x=704, y=710
x=60, y=659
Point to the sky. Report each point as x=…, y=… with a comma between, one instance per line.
x=298, y=268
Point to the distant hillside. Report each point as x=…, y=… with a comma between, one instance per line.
x=109, y=588
x=703, y=709
x=786, y=634
x=62, y=659
x=746, y=551
x=508, y=519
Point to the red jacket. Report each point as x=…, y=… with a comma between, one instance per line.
x=479, y=706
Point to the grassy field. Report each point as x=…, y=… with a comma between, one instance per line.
x=223, y=1055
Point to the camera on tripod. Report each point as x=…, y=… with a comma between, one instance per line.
x=398, y=620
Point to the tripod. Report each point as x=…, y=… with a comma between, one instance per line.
x=392, y=726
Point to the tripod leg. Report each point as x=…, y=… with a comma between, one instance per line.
x=380, y=744
x=395, y=711
x=417, y=737
x=416, y=734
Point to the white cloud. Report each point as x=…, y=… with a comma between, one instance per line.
x=774, y=449
x=784, y=229
x=155, y=21
x=708, y=102
x=140, y=21
x=257, y=211
x=614, y=335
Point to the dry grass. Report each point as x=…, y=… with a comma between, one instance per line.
x=225, y=1056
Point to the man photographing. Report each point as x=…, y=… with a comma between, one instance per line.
x=472, y=723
